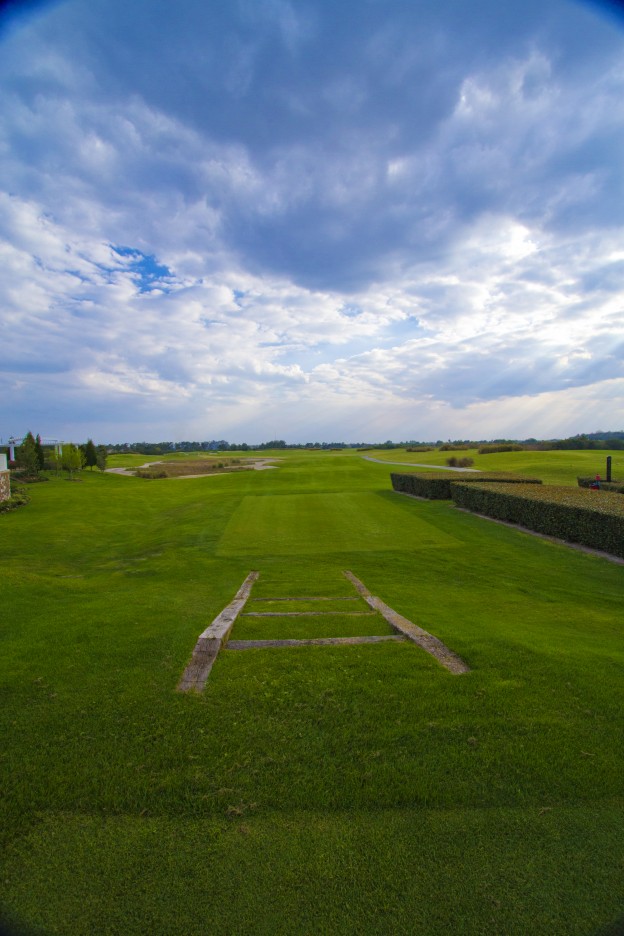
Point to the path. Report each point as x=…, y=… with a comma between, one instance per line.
x=383, y=461
x=128, y=472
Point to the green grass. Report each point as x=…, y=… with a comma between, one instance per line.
x=300, y=628
x=357, y=789
x=309, y=524
x=552, y=467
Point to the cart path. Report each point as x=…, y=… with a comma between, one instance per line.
x=383, y=461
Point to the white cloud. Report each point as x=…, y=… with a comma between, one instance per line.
x=335, y=228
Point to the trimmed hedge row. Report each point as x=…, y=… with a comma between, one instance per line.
x=437, y=485
x=617, y=487
x=592, y=518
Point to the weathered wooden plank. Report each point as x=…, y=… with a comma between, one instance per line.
x=310, y=598
x=450, y=660
x=310, y=641
x=307, y=613
x=213, y=639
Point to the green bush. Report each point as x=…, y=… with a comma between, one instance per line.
x=454, y=462
x=492, y=449
x=616, y=487
x=592, y=518
x=437, y=485
x=18, y=498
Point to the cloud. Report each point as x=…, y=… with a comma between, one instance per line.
x=273, y=208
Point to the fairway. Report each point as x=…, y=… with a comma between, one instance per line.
x=307, y=524
x=337, y=788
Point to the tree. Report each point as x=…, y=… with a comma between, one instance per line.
x=72, y=459
x=56, y=460
x=27, y=458
x=40, y=453
x=101, y=455
x=90, y=454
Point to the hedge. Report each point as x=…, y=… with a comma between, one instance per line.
x=592, y=518
x=617, y=487
x=437, y=485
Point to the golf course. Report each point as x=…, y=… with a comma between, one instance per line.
x=355, y=787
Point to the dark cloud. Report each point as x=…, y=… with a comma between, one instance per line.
x=323, y=99
x=394, y=196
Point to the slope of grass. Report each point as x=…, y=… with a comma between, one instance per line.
x=323, y=789
x=551, y=467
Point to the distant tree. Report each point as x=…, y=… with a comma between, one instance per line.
x=72, y=459
x=101, y=456
x=273, y=444
x=90, y=454
x=26, y=457
x=56, y=460
x=40, y=452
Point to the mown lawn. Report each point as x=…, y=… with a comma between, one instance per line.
x=343, y=789
x=552, y=467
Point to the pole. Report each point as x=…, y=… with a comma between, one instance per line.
x=608, y=467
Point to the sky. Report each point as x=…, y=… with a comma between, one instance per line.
x=311, y=220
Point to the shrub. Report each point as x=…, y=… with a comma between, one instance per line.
x=616, y=487
x=455, y=462
x=18, y=498
x=437, y=485
x=592, y=518
x=491, y=449
x=27, y=479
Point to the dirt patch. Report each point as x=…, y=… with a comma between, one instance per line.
x=202, y=468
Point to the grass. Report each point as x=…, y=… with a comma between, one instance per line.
x=552, y=467
x=308, y=524
x=358, y=789
x=299, y=628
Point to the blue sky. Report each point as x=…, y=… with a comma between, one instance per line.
x=311, y=220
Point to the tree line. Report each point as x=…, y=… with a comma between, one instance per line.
x=32, y=457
